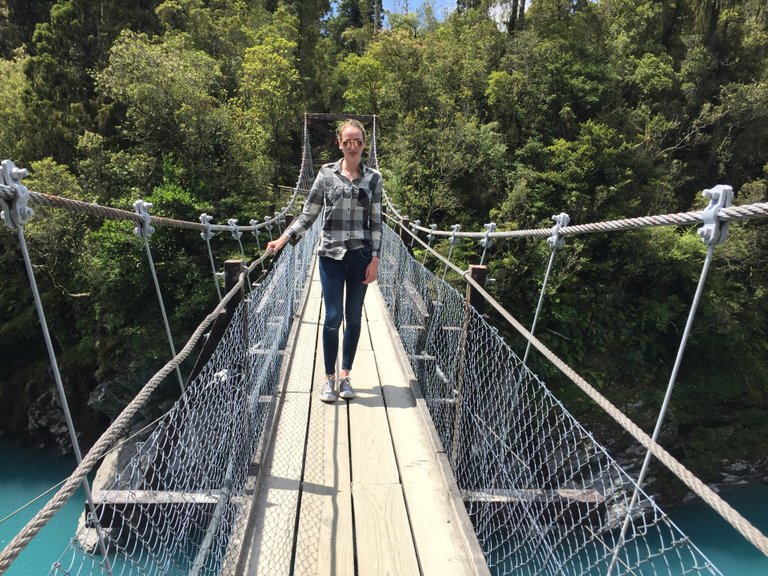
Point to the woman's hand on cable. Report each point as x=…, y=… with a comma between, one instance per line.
x=372, y=271
x=276, y=245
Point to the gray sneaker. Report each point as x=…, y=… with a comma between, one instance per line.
x=345, y=389
x=328, y=393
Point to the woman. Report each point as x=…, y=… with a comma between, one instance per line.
x=348, y=195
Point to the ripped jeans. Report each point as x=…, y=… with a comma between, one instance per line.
x=335, y=277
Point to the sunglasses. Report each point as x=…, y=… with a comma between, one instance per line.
x=357, y=143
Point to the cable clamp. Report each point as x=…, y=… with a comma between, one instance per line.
x=269, y=223
x=414, y=224
x=431, y=235
x=206, y=220
x=16, y=213
x=556, y=240
x=143, y=230
x=236, y=233
x=487, y=241
x=454, y=229
x=255, y=223
x=714, y=231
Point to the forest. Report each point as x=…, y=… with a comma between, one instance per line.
x=505, y=112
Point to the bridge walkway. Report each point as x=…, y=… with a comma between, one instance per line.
x=358, y=487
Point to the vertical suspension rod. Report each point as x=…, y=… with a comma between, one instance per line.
x=60, y=388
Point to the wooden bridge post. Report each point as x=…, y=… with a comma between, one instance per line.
x=232, y=269
x=474, y=299
x=404, y=224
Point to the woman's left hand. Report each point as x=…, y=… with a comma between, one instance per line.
x=372, y=271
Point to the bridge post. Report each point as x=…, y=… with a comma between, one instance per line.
x=404, y=224
x=232, y=269
x=479, y=274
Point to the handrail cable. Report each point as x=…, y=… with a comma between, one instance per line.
x=100, y=448
x=741, y=524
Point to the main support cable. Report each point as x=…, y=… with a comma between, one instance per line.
x=744, y=212
x=7, y=194
x=741, y=524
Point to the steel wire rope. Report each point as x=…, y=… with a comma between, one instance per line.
x=725, y=510
x=103, y=444
x=743, y=212
x=120, y=214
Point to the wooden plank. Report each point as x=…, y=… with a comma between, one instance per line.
x=444, y=538
x=373, y=458
x=324, y=543
x=384, y=542
x=300, y=376
x=276, y=503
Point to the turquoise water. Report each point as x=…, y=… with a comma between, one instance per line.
x=718, y=541
x=24, y=474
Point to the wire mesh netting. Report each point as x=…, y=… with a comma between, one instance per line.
x=177, y=502
x=543, y=495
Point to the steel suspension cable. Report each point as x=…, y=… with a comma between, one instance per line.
x=60, y=386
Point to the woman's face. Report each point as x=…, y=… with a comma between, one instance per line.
x=352, y=143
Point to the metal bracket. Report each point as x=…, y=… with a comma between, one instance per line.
x=268, y=221
x=715, y=232
x=253, y=222
x=16, y=213
x=143, y=230
x=556, y=240
x=236, y=233
x=454, y=229
x=206, y=220
x=431, y=236
x=487, y=241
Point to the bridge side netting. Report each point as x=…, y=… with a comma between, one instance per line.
x=543, y=495
x=176, y=501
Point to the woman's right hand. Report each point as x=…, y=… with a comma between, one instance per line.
x=276, y=245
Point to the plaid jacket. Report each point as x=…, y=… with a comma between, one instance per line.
x=351, y=211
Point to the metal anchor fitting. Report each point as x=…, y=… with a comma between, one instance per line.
x=143, y=230
x=714, y=231
x=556, y=240
x=15, y=211
x=455, y=228
x=431, y=235
x=487, y=241
x=206, y=220
x=236, y=233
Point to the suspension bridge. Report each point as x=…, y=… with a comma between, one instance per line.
x=454, y=459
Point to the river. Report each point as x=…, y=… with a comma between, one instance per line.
x=24, y=474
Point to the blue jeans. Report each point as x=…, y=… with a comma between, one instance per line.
x=335, y=276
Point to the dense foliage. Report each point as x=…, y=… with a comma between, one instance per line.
x=603, y=110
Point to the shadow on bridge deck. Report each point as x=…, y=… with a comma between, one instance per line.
x=359, y=487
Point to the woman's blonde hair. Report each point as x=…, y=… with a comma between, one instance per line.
x=350, y=123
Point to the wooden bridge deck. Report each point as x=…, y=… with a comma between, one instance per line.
x=359, y=487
